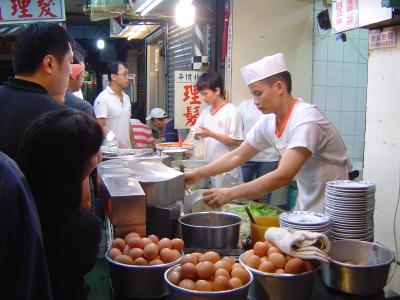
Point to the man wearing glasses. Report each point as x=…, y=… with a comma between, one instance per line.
x=112, y=106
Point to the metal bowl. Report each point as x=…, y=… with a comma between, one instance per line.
x=271, y=286
x=366, y=279
x=178, y=293
x=186, y=165
x=210, y=230
x=139, y=281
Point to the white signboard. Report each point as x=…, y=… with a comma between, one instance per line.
x=344, y=15
x=371, y=11
x=31, y=11
x=187, y=101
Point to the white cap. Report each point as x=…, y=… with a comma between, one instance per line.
x=264, y=68
x=157, y=113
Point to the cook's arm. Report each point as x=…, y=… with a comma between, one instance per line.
x=102, y=122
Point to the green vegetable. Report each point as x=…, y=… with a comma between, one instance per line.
x=257, y=209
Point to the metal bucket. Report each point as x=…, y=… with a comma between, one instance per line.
x=178, y=293
x=139, y=281
x=368, y=279
x=210, y=230
x=271, y=286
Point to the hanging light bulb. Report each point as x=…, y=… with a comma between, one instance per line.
x=185, y=13
x=100, y=44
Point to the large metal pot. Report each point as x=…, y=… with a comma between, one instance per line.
x=210, y=230
x=270, y=286
x=366, y=279
x=178, y=293
x=139, y=281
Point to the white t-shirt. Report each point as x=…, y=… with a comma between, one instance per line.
x=250, y=115
x=117, y=114
x=225, y=121
x=307, y=128
x=78, y=94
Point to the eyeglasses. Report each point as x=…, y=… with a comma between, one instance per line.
x=126, y=75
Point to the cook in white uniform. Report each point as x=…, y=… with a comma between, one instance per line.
x=310, y=146
x=219, y=125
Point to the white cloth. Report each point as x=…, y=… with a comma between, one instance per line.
x=78, y=94
x=116, y=113
x=225, y=121
x=299, y=243
x=306, y=128
x=264, y=68
x=250, y=115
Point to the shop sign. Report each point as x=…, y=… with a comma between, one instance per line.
x=31, y=11
x=187, y=100
x=344, y=15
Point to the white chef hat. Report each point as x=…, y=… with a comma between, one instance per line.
x=264, y=68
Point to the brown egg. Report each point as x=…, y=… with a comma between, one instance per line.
x=294, y=266
x=126, y=250
x=119, y=244
x=264, y=258
x=210, y=256
x=135, y=242
x=235, y=283
x=254, y=261
x=166, y=255
x=150, y=251
x=269, y=244
x=188, y=271
x=308, y=266
x=174, y=277
x=114, y=252
x=241, y=274
x=267, y=267
x=197, y=255
x=189, y=258
x=222, y=264
x=229, y=260
x=221, y=283
x=156, y=262
x=164, y=243
x=205, y=270
x=177, y=268
x=130, y=235
x=237, y=265
x=288, y=257
x=187, y=284
x=260, y=249
x=140, y=261
x=246, y=255
x=153, y=238
x=203, y=285
x=177, y=244
x=222, y=272
x=280, y=271
x=175, y=254
x=146, y=241
x=135, y=253
x=124, y=259
x=273, y=250
x=278, y=259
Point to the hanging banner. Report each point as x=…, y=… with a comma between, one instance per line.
x=344, y=15
x=31, y=11
x=187, y=101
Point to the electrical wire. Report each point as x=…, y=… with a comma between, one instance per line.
x=353, y=45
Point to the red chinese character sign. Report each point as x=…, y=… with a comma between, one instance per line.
x=344, y=15
x=30, y=11
x=187, y=101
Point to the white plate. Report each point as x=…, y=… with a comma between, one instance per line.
x=351, y=185
x=304, y=218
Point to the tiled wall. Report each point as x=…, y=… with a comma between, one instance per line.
x=340, y=82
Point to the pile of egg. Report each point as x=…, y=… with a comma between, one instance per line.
x=134, y=250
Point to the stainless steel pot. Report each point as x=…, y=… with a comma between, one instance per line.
x=271, y=286
x=366, y=279
x=210, y=230
x=139, y=281
x=178, y=293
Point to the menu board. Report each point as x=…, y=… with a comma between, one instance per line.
x=344, y=15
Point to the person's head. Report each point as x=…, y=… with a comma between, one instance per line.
x=158, y=117
x=269, y=81
x=210, y=87
x=43, y=53
x=57, y=152
x=118, y=74
x=76, y=77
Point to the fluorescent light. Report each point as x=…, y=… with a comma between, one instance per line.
x=150, y=7
x=100, y=44
x=185, y=13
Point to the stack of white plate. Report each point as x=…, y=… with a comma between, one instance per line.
x=306, y=220
x=350, y=206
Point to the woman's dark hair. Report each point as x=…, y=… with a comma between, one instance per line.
x=210, y=80
x=53, y=155
x=283, y=76
x=37, y=41
x=112, y=68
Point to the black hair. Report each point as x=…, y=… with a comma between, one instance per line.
x=283, y=76
x=112, y=68
x=53, y=155
x=78, y=57
x=37, y=41
x=210, y=80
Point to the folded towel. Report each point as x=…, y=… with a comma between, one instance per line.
x=299, y=243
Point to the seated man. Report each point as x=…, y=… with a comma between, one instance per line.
x=164, y=124
x=142, y=134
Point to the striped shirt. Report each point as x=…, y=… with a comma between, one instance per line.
x=142, y=134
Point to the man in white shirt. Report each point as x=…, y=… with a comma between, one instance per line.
x=311, y=148
x=113, y=107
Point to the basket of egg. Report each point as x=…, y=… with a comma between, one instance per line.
x=137, y=265
x=207, y=276
x=278, y=276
